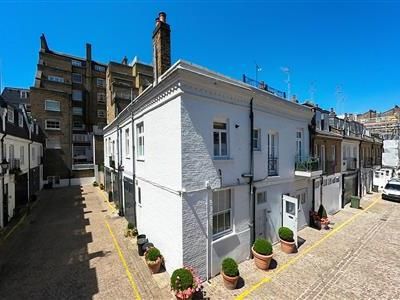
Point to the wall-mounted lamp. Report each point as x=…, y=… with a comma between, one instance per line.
x=237, y=125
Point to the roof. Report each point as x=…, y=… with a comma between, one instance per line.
x=13, y=95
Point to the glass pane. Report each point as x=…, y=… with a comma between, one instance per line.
x=221, y=220
x=219, y=125
x=215, y=224
x=227, y=220
x=216, y=144
x=224, y=146
x=290, y=208
x=215, y=203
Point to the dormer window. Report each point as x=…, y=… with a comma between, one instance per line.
x=20, y=120
x=10, y=114
x=23, y=94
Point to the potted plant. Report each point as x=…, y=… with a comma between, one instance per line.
x=153, y=259
x=230, y=273
x=262, y=252
x=185, y=283
x=131, y=231
x=95, y=183
x=323, y=217
x=101, y=186
x=288, y=244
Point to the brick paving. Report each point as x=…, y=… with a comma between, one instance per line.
x=64, y=251
x=361, y=261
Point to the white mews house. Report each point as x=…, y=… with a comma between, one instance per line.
x=185, y=144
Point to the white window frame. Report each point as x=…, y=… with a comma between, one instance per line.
x=47, y=105
x=299, y=144
x=217, y=234
x=52, y=128
x=77, y=92
x=22, y=155
x=99, y=68
x=10, y=114
x=256, y=139
x=73, y=80
x=101, y=113
x=127, y=143
x=273, y=150
x=33, y=154
x=101, y=98
x=220, y=132
x=23, y=94
x=140, y=140
x=77, y=111
x=20, y=120
x=100, y=82
x=76, y=63
x=55, y=78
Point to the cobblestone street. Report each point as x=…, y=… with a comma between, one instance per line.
x=64, y=250
x=358, y=260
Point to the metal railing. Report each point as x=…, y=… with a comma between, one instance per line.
x=273, y=166
x=330, y=167
x=307, y=164
x=263, y=86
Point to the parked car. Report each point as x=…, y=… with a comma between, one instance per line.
x=392, y=190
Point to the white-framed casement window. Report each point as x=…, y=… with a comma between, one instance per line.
x=77, y=111
x=101, y=98
x=140, y=140
x=52, y=124
x=77, y=95
x=261, y=197
x=273, y=151
x=52, y=105
x=23, y=94
x=127, y=143
x=20, y=120
x=222, y=212
x=333, y=153
x=99, y=68
x=78, y=125
x=33, y=156
x=299, y=144
x=22, y=155
x=55, y=78
x=76, y=78
x=76, y=63
x=220, y=140
x=101, y=113
x=53, y=142
x=10, y=114
x=100, y=82
x=11, y=152
x=257, y=139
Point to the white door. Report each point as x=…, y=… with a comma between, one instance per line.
x=290, y=210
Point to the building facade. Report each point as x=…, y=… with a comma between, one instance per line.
x=68, y=100
x=21, y=160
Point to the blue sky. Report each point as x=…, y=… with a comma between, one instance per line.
x=352, y=44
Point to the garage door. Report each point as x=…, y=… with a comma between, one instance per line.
x=350, y=188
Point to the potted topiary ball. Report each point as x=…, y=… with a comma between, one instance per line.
x=230, y=273
x=262, y=252
x=288, y=244
x=185, y=283
x=153, y=259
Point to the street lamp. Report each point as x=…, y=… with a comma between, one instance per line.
x=4, y=166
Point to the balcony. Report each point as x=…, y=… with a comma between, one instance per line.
x=349, y=164
x=307, y=167
x=263, y=86
x=329, y=168
x=273, y=166
x=15, y=166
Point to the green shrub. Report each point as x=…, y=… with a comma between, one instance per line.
x=181, y=279
x=101, y=186
x=263, y=247
x=130, y=226
x=322, y=212
x=95, y=183
x=152, y=254
x=230, y=267
x=286, y=234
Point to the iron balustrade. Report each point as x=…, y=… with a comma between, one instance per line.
x=273, y=166
x=307, y=164
x=263, y=86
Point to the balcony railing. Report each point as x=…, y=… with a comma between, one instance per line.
x=15, y=166
x=307, y=164
x=367, y=162
x=330, y=167
x=263, y=86
x=273, y=166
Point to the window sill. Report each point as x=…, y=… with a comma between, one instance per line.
x=53, y=129
x=220, y=236
x=222, y=158
x=127, y=157
x=140, y=159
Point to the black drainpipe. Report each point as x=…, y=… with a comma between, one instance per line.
x=251, y=188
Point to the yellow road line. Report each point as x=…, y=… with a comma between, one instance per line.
x=15, y=227
x=122, y=258
x=283, y=267
x=108, y=202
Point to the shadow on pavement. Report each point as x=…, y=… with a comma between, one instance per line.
x=48, y=257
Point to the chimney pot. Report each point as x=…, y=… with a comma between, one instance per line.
x=163, y=17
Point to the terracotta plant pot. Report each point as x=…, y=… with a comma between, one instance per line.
x=154, y=266
x=262, y=261
x=180, y=298
x=230, y=282
x=288, y=247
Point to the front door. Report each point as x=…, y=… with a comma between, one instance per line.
x=289, y=218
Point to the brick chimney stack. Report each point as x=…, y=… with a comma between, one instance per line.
x=161, y=46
